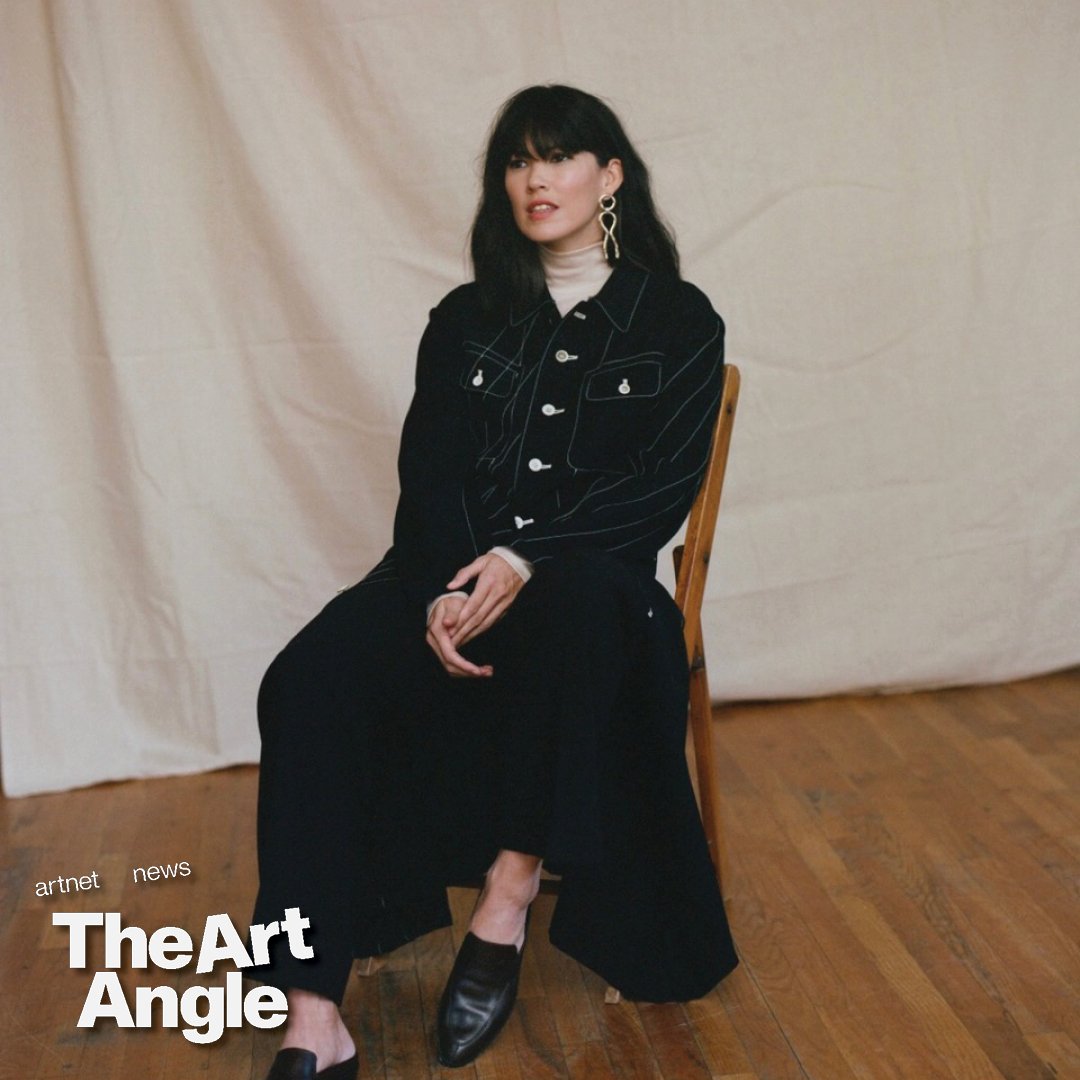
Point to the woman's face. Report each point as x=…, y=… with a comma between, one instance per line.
x=556, y=199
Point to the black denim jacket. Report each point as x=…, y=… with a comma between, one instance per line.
x=549, y=434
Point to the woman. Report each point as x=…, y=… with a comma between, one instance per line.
x=509, y=684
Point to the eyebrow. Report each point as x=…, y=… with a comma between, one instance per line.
x=523, y=152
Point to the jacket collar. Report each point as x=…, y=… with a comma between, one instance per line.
x=618, y=299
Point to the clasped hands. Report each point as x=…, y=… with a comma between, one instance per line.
x=456, y=620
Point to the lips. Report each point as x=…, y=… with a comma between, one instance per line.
x=540, y=208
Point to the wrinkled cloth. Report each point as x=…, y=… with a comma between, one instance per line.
x=383, y=779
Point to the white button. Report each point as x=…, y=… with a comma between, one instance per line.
x=521, y=522
x=562, y=356
x=535, y=464
x=550, y=410
x=478, y=378
x=624, y=387
x=580, y=315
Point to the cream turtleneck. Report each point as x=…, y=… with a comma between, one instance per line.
x=573, y=276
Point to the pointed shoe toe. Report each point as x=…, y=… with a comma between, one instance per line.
x=478, y=999
x=296, y=1064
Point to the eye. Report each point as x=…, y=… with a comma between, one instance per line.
x=517, y=162
x=559, y=155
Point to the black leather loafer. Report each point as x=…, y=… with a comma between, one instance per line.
x=478, y=999
x=296, y=1064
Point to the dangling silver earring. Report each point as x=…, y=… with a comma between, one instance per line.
x=608, y=221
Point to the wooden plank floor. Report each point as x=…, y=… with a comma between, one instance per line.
x=902, y=878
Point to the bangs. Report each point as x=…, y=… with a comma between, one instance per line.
x=545, y=122
x=543, y=136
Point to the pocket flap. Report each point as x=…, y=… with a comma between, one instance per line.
x=624, y=381
x=489, y=373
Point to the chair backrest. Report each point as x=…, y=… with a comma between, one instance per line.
x=692, y=556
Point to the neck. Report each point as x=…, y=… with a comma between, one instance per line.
x=573, y=276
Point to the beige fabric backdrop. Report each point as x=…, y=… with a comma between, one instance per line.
x=222, y=225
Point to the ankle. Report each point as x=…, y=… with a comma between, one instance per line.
x=315, y=1024
x=515, y=876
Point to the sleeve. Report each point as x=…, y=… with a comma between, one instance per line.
x=437, y=527
x=635, y=515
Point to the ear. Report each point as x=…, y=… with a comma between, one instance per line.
x=612, y=176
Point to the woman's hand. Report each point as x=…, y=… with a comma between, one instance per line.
x=444, y=618
x=497, y=584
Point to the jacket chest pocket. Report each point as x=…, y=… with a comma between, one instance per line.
x=488, y=374
x=614, y=416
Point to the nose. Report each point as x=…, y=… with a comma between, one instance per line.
x=537, y=178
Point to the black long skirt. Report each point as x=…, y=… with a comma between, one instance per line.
x=383, y=779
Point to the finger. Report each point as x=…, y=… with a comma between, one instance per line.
x=437, y=647
x=452, y=660
x=467, y=573
x=470, y=621
x=479, y=597
x=486, y=617
x=442, y=611
x=463, y=636
x=459, y=668
x=446, y=664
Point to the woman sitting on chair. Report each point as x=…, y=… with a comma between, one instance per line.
x=509, y=684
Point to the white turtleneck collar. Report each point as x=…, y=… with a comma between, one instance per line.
x=573, y=276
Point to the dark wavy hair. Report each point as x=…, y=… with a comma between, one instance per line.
x=546, y=118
